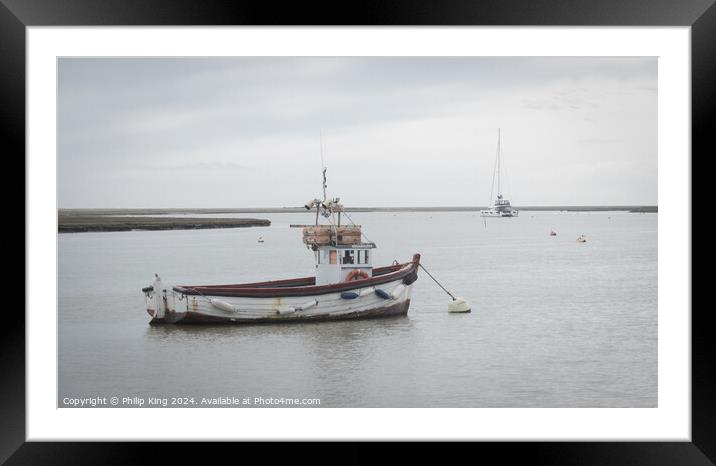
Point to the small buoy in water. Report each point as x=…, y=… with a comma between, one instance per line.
x=458, y=305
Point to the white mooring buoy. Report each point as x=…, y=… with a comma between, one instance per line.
x=458, y=305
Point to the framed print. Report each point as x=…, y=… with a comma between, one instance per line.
x=254, y=225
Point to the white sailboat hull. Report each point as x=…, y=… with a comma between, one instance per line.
x=494, y=213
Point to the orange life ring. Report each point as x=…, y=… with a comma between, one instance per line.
x=357, y=274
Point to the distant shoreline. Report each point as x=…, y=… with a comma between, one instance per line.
x=79, y=223
x=106, y=220
x=277, y=210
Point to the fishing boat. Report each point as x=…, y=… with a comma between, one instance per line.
x=501, y=207
x=345, y=285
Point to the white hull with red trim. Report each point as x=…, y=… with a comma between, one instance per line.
x=386, y=293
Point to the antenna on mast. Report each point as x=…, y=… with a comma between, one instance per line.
x=324, y=206
x=323, y=168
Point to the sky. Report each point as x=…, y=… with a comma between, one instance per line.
x=395, y=131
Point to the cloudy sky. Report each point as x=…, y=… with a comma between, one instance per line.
x=245, y=132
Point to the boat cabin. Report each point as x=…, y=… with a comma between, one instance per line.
x=340, y=254
x=501, y=204
x=500, y=201
x=341, y=263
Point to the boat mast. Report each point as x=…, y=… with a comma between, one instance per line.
x=323, y=167
x=498, y=162
x=323, y=183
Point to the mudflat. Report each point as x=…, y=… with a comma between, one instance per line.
x=77, y=223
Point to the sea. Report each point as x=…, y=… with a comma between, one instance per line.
x=554, y=322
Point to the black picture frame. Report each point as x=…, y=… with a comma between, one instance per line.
x=16, y=15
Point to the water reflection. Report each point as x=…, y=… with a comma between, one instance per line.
x=317, y=333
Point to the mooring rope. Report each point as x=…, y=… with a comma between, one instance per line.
x=354, y=224
x=435, y=280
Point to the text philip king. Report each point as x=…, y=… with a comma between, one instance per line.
x=139, y=401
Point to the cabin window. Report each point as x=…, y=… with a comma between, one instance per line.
x=362, y=257
x=349, y=257
x=333, y=257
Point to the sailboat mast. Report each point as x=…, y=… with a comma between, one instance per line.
x=498, y=162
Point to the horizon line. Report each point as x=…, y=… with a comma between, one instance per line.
x=441, y=207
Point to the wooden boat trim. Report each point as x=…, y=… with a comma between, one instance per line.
x=302, y=286
x=304, y=281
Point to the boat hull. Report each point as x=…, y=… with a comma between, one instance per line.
x=394, y=309
x=386, y=294
x=492, y=213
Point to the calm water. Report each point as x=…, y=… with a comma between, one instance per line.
x=554, y=323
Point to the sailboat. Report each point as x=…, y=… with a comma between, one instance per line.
x=501, y=206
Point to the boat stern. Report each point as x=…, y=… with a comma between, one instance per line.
x=158, y=302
